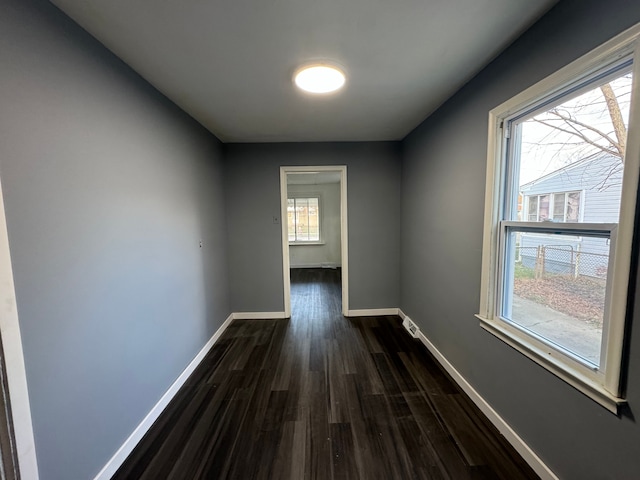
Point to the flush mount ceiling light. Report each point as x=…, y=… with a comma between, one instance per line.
x=319, y=78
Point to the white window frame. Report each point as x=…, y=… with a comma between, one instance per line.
x=320, y=240
x=604, y=384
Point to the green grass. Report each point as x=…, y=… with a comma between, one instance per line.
x=521, y=271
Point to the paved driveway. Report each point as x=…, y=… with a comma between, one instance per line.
x=576, y=335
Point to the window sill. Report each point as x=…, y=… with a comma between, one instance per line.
x=297, y=244
x=560, y=369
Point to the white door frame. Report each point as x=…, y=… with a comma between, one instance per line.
x=14, y=360
x=344, y=251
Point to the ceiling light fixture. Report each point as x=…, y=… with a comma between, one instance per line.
x=319, y=78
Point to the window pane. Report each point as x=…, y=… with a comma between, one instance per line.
x=576, y=146
x=555, y=288
x=302, y=219
x=533, y=209
x=543, y=211
x=558, y=207
x=314, y=220
x=573, y=207
x=291, y=219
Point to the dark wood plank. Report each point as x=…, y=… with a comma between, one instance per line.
x=342, y=456
x=321, y=397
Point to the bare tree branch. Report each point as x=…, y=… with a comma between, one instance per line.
x=593, y=121
x=574, y=122
x=581, y=135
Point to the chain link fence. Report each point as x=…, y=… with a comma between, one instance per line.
x=562, y=260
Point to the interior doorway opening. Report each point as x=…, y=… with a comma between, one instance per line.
x=314, y=224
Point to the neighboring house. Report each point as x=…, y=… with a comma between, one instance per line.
x=586, y=191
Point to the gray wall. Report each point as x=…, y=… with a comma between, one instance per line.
x=253, y=198
x=442, y=217
x=108, y=190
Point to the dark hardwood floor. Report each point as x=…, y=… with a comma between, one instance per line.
x=321, y=396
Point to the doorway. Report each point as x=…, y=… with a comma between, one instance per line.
x=302, y=187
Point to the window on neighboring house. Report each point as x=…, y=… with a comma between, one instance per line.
x=556, y=268
x=303, y=219
x=565, y=207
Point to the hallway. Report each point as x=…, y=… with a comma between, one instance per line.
x=321, y=396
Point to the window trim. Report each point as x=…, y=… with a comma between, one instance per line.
x=608, y=388
x=579, y=230
x=308, y=195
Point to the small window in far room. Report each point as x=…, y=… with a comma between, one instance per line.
x=303, y=219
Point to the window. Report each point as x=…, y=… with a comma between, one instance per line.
x=303, y=219
x=560, y=205
x=565, y=207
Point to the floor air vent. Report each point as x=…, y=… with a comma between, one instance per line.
x=410, y=327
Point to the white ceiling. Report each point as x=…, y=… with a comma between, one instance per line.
x=229, y=63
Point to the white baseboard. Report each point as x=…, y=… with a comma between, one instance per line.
x=130, y=443
x=258, y=315
x=505, y=429
x=373, y=312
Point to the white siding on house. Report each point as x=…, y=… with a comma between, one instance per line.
x=599, y=179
